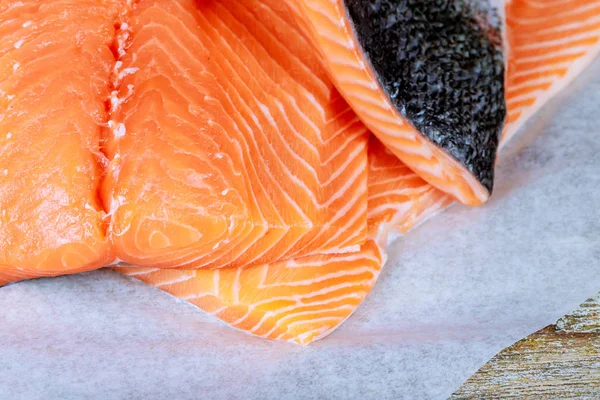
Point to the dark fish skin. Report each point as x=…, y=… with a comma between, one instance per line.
x=441, y=63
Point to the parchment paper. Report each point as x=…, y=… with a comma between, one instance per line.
x=457, y=290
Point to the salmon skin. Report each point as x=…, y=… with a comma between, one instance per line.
x=441, y=64
x=426, y=77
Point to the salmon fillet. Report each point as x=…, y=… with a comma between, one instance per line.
x=547, y=50
x=551, y=43
x=229, y=146
x=398, y=197
x=305, y=299
x=55, y=62
x=296, y=302
x=165, y=123
x=407, y=69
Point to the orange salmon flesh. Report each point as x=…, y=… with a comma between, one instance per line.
x=236, y=154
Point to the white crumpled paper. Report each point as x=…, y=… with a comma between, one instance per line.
x=457, y=290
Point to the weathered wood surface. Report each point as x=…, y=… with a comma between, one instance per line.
x=561, y=361
x=586, y=319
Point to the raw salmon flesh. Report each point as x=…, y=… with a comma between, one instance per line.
x=281, y=305
x=254, y=157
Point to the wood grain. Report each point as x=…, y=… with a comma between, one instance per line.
x=560, y=361
x=586, y=319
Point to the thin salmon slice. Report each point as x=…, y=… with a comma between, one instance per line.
x=55, y=63
x=228, y=144
x=305, y=299
x=298, y=300
x=427, y=78
x=539, y=66
x=398, y=197
x=551, y=43
x=248, y=299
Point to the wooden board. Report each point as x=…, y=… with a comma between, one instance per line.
x=557, y=362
